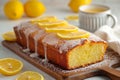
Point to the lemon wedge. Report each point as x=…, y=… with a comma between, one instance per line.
x=30, y=75
x=10, y=66
x=9, y=36
x=69, y=28
x=53, y=24
x=73, y=35
x=45, y=19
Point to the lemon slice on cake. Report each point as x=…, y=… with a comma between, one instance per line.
x=73, y=35
x=9, y=36
x=45, y=19
x=69, y=28
x=10, y=66
x=30, y=75
x=53, y=24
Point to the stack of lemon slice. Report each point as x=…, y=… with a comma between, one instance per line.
x=54, y=25
x=62, y=28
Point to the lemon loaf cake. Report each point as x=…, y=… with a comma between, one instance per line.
x=60, y=43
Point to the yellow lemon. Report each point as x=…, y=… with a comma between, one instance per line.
x=30, y=75
x=9, y=36
x=75, y=4
x=45, y=19
x=10, y=66
x=61, y=29
x=13, y=9
x=34, y=8
x=53, y=24
x=73, y=35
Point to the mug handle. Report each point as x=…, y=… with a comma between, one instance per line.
x=114, y=20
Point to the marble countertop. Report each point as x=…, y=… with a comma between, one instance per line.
x=57, y=8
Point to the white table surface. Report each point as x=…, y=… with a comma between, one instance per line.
x=58, y=8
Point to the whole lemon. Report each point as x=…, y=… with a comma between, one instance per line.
x=13, y=9
x=34, y=8
x=75, y=4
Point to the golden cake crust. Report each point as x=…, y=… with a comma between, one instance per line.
x=59, y=51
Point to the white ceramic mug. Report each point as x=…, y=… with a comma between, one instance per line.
x=92, y=17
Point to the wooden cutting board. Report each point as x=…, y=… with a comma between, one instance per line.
x=106, y=67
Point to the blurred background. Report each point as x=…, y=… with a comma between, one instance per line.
x=56, y=7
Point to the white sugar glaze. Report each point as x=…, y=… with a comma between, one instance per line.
x=51, y=39
x=69, y=44
x=34, y=55
x=36, y=38
x=20, y=26
x=29, y=29
x=45, y=52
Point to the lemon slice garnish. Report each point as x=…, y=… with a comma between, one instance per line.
x=9, y=36
x=10, y=66
x=46, y=19
x=30, y=75
x=69, y=28
x=72, y=17
x=53, y=24
x=73, y=35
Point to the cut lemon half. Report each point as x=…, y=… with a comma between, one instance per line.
x=9, y=36
x=69, y=28
x=53, y=24
x=45, y=19
x=71, y=17
x=10, y=66
x=74, y=35
x=30, y=75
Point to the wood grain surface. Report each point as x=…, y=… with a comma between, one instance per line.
x=106, y=67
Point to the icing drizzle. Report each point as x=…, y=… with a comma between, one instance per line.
x=49, y=39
